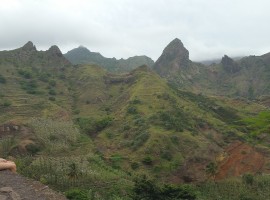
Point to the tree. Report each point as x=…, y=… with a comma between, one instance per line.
x=145, y=189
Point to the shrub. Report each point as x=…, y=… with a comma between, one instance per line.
x=103, y=123
x=52, y=98
x=52, y=92
x=25, y=73
x=2, y=79
x=132, y=110
x=140, y=140
x=166, y=154
x=134, y=165
x=52, y=83
x=29, y=86
x=248, y=179
x=6, y=103
x=77, y=194
x=91, y=126
x=136, y=101
x=147, y=189
x=147, y=160
x=33, y=149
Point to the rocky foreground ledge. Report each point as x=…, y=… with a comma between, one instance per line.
x=16, y=187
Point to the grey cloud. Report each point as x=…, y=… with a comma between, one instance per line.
x=123, y=28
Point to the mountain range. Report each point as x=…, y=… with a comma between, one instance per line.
x=82, y=55
x=175, y=120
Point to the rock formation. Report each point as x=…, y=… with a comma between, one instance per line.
x=174, y=58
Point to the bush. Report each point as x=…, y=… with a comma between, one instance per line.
x=77, y=194
x=33, y=149
x=147, y=189
x=132, y=110
x=91, y=126
x=166, y=154
x=140, y=140
x=6, y=103
x=136, y=101
x=134, y=165
x=52, y=98
x=29, y=86
x=52, y=83
x=147, y=160
x=2, y=79
x=26, y=74
x=52, y=92
x=248, y=179
x=174, y=120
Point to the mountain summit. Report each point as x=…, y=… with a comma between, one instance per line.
x=29, y=46
x=174, y=58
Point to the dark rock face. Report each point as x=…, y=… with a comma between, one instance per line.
x=29, y=46
x=174, y=58
x=54, y=50
x=229, y=64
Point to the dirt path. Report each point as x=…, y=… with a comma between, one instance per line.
x=241, y=158
x=16, y=187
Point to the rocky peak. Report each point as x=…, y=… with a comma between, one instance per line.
x=174, y=58
x=54, y=50
x=226, y=60
x=229, y=65
x=176, y=49
x=29, y=46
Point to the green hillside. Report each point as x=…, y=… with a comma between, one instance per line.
x=88, y=132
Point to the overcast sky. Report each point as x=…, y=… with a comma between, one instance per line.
x=123, y=28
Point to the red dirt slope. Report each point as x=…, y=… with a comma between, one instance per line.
x=240, y=158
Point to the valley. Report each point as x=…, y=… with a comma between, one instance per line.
x=98, y=130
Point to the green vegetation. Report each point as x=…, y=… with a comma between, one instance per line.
x=53, y=136
x=2, y=79
x=138, y=125
x=149, y=190
x=92, y=126
x=259, y=124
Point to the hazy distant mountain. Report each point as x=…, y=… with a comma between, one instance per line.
x=82, y=55
x=217, y=60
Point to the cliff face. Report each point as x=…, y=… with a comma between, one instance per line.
x=15, y=187
x=174, y=58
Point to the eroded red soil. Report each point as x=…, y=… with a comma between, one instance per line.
x=240, y=158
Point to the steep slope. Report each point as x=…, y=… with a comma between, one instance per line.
x=88, y=128
x=141, y=124
x=33, y=82
x=82, y=55
x=173, y=59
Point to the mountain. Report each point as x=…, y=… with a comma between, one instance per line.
x=174, y=58
x=80, y=126
x=82, y=55
x=245, y=77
